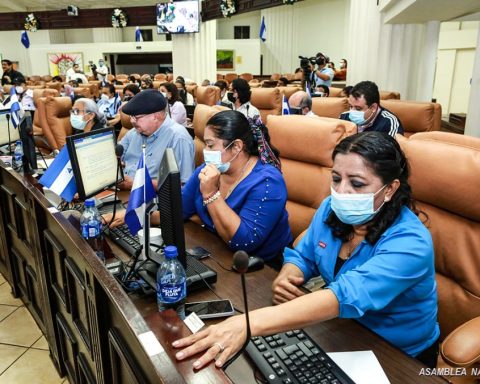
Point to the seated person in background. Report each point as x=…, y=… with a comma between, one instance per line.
x=228, y=191
x=321, y=91
x=56, y=79
x=282, y=82
x=331, y=65
x=366, y=112
x=109, y=104
x=134, y=80
x=371, y=249
x=67, y=90
x=240, y=98
x=205, y=83
x=85, y=116
x=222, y=84
x=117, y=82
x=185, y=97
x=341, y=74
x=345, y=91
x=300, y=103
x=146, y=84
x=129, y=91
x=153, y=126
x=176, y=108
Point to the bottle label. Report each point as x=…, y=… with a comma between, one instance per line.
x=90, y=231
x=171, y=293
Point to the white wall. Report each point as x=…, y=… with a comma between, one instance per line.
x=247, y=55
x=456, y=53
x=251, y=19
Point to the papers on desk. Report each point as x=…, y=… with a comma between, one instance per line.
x=41, y=163
x=362, y=366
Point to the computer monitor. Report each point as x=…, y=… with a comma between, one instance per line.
x=14, y=133
x=93, y=160
x=170, y=204
x=178, y=17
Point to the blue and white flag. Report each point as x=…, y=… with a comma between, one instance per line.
x=25, y=40
x=307, y=89
x=263, y=30
x=59, y=176
x=14, y=107
x=285, y=106
x=138, y=34
x=141, y=195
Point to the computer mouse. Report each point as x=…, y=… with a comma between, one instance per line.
x=255, y=263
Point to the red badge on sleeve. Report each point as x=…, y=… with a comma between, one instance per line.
x=322, y=244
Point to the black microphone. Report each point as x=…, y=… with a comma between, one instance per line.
x=240, y=263
x=7, y=116
x=119, y=153
x=119, y=150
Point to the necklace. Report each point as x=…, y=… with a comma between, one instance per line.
x=239, y=178
x=351, y=245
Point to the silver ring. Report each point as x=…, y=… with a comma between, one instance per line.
x=220, y=346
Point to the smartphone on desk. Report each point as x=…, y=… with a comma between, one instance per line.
x=210, y=309
x=198, y=253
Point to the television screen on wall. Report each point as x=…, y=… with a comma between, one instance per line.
x=178, y=17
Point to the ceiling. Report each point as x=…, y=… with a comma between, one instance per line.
x=49, y=5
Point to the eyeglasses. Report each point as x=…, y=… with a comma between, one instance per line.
x=76, y=111
x=138, y=117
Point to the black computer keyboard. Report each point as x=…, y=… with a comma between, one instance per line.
x=124, y=239
x=293, y=357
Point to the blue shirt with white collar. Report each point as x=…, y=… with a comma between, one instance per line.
x=389, y=286
x=169, y=135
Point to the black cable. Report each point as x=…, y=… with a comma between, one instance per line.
x=220, y=264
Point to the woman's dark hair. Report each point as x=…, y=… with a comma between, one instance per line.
x=383, y=155
x=148, y=83
x=284, y=80
x=173, y=90
x=182, y=92
x=346, y=63
x=243, y=90
x=57, y=78
x=132, y=88
x=110, y=87
x=233, y=125
x=325, y=88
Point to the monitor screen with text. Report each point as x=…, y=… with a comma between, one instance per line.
x=93, y=160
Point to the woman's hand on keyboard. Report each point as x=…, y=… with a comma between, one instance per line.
x=118, y=220
x=220, y=342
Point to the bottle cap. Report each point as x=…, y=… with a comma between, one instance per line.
x=89, y=203
x=18, y=142
x=170, y=251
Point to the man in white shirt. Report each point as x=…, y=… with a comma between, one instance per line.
x=102, y=71
x=78, y=76
x=70, y=72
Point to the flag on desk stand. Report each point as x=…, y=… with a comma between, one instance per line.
x=307, y=89
x=59, y=176
x=138, y=34
x=14, y=107
x=141, y=195
x=285, y=106
x=25, y=40
x=263, y=30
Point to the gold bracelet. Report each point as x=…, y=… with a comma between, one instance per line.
x=211, y=199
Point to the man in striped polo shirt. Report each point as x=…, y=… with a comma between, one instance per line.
x=366, y=112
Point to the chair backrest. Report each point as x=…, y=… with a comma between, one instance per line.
x=135, y=75
x=275, y=76
x=110, y=77
x=47, y=78
x=34, y=78
x=335, y=92
x=39, y=120
x=306, y=147
x=57, y=110
x=329, y=106
x=126, y=124
x=267, y=100
x=202, y=114
x=246, y=76
x=192, y=88
x=160, y=77
x=122, y=77
x=416, y=116
x=37, y=93
x=94, y=88
x=229, y=77
x=54, y=85
x=219, y=76
x=83, y=92
x=209, y=95
x=289, y=91
x=389, y=95
x=445, y=183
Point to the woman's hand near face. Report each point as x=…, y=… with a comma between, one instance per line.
x=209, y=178
x=220, y=342
x=284, y=287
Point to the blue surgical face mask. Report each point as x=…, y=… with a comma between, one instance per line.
x=215, y=158
x=77, y=122
x=354, y=208
x=357, y=117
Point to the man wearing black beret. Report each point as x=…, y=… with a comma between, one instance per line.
x=152, y=126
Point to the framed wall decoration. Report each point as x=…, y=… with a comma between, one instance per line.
x=225, y=60
x=59, y=63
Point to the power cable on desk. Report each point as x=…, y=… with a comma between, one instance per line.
x=220, y=264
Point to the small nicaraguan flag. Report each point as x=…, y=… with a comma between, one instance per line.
x=141, y=195
x=263, y=30
x=138, y=34
x=59, y=176
x=14, y=107
x=307, y=89
x=25, y=40
x=285, y=106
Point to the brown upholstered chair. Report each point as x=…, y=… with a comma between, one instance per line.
x=389, y=95
x=306, y=147
x=246, y=76
x=334, y=92
x=57, y=111
x=192, y=89
x=219, y=76
x=254, y=83
x=126, y=125
x=267, y=100
x=110, y=77
x=47, y=78
x=36, y=86
x=37, y=93
x=122, y=77
x=83, y=92
x=160, y=77
x=157, y=83
x=289, y=76
x=43, y=138
x=54, y=85
x=93, y=88
x=34, y=78
x=415, y=116
x=289, y=91
x=229, y=77
x=444, y=183
x=329, y=106
x=275, y=76
x=208, y=95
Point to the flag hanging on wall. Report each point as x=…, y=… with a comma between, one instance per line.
x=138, y=34
x=25, y=40
x=263, y=30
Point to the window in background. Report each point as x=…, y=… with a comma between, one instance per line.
x=241, y=32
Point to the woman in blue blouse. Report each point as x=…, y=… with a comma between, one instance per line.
x=374, y=253
x=239, y=193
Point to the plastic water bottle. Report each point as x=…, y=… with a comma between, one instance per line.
x=18, y=155
x=91, y=226
x=171, y=283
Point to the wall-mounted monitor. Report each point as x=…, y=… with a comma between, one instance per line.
x=178, y=17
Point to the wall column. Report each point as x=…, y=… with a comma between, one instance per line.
x=472, y=125
x=194, y=54
x=398, y=57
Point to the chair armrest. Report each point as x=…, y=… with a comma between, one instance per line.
x=461, y=348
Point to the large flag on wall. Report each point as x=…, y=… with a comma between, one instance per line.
x=141, y=195
x=59, y=176
x=25, y=40
x=263, y=30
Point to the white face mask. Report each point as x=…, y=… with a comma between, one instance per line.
x=164, y=94
x=105, y=97
x=19, y=89
x=215, y=158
